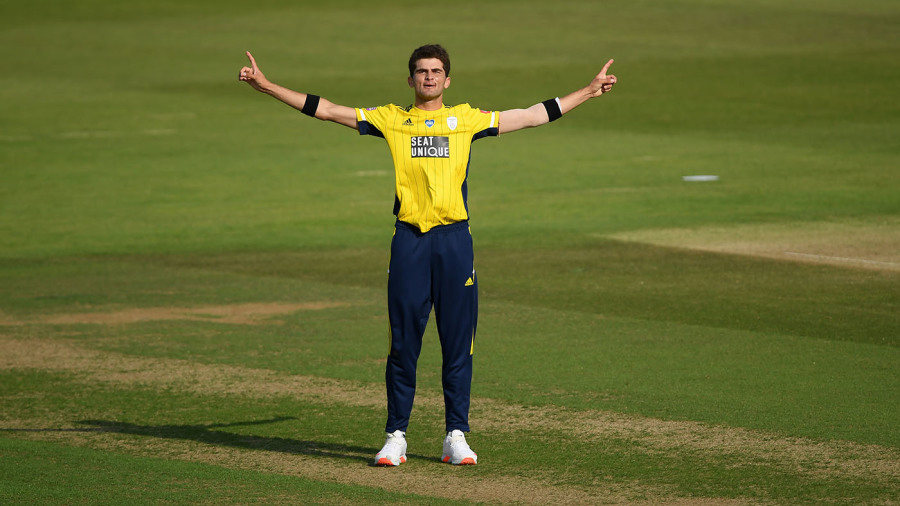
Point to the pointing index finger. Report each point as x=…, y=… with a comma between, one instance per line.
x=253, y=62
x=602, y=72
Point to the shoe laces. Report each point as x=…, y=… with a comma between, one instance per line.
x=394, y=439
x=457, y=437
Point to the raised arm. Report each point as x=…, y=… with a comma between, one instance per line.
x=324, y=110
x=545, y=112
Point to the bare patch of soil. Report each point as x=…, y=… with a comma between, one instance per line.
x=870, y=244
x=832, y=458
x=236, y=314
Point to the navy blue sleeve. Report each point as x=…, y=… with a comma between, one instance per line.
x=366, y=128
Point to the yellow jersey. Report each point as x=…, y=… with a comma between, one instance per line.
x=431, y=152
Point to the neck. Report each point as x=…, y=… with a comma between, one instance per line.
x=429, y=104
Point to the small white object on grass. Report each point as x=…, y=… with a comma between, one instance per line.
x=700, y=178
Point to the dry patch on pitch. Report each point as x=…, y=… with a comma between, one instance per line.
x=451, y=483
x=830, y=460
x=833, y=459
x=237, y=314
x=92, y=366
x=869, y=244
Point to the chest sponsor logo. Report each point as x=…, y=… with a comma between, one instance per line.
x=430, y=146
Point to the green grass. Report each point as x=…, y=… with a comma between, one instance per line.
x=53, y=474
x=137, y=173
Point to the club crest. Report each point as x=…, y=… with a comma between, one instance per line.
x=452, y=121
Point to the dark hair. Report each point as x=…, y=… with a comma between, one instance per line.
x=430, y=51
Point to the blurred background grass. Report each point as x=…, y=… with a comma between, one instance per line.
x=124, y=128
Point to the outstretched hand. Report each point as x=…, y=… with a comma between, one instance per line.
x=252, y=75
x=603, y=83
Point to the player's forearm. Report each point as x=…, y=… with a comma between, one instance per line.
x=290, y=97
x=320, y=108
x=574, y=99
x=601, y=84
x=544, y=112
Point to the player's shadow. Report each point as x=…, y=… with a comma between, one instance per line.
x=213, y=434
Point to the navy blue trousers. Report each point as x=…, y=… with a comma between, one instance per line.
x=434, y=269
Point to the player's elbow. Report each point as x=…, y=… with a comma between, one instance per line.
x=335, y=113
x=533, y=117
x=517, y=119
x=537, y=116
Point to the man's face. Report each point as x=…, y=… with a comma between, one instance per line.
x=429, y=79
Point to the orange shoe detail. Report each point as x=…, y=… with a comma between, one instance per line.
x=386, y=462
x=468, y=461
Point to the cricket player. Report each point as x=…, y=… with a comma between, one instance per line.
x=432, y=262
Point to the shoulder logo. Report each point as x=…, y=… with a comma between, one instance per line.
x=408, y=122
x=452, y=121
x=371, y=108
x=429, y=123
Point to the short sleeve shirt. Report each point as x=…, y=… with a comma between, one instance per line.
x=431, y=152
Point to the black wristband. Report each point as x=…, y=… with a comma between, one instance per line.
x=553, y=110
x=311, y=105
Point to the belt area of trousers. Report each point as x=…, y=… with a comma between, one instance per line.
x=439, y=229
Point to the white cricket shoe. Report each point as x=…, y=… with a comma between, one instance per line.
x=394, y=451
x=457, y=451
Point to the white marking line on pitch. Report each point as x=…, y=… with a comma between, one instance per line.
x=842, y=259
x=700, y=177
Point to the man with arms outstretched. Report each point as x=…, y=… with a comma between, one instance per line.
x=432, y=260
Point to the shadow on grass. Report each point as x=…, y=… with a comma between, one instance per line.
x=212, y=435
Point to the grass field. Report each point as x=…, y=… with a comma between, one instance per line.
x=192, y=275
